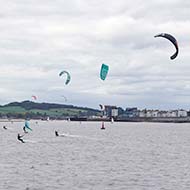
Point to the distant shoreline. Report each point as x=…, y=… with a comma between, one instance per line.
x=137, y=119
x=150, y=119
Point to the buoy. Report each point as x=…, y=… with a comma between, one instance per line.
x=103, y=126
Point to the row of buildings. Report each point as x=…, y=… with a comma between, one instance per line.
x=158, y=113
x=115, y=112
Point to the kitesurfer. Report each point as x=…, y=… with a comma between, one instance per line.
x=56, y=133
x=59, y=135
x=19, y=137
x=4, y=127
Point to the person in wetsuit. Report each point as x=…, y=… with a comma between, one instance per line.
x=4, y=127
x=24, y=129
x=56, y=133
x=19, y=137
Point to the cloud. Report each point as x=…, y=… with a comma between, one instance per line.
x=41, y=38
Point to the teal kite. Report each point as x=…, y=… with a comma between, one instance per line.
x=104, y=71
x=27, y=125
x=68, y=76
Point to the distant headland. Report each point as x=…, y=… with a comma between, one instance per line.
x=52, y=111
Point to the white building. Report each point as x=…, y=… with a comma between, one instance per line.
x=142, y=113
x=149, y=113
x=182, y=113
x=155, y=113
x=114, y=112
x=172, y=113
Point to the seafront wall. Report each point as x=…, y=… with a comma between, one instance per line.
x=149, y=119
x=133, y=119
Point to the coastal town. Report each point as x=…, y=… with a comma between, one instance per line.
x=114, y=111
x=135, y=114
x=50, y=111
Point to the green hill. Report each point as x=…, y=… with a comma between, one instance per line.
x=43, y=110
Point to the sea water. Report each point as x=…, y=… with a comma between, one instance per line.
x=134, y=156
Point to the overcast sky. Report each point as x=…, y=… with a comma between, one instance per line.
x=40, y=38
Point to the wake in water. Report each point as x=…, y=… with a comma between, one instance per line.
x=30, y=141
x=5, y=128
x=68, y=135
x=76, y=136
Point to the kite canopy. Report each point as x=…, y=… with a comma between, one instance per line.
x=68, y=76
x=64, y=97
x=34, y=97
x=101, y=106
x=104, y=71
x=27, y=125
x=172, y=40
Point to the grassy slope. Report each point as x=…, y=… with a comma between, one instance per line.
x=50, y=112
x=12, y=109
x=59, y=112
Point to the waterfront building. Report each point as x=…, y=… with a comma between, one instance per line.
x=163, y=113
x=182, y=113
x=131, y=112
x=142, y=113
x=149, y=113
x=110, y=111
x=155, y=113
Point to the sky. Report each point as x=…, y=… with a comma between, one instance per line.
x=41, y=38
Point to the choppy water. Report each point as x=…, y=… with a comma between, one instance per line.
x=134, y=156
